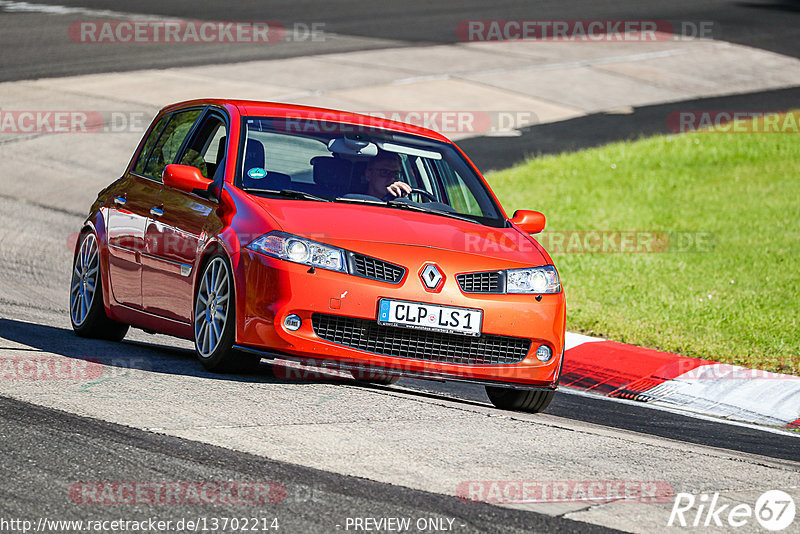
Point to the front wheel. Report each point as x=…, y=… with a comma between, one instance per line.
x=86, y=309
x=520, y=400
x=215, y=320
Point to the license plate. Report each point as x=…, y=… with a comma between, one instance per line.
x=430, y=317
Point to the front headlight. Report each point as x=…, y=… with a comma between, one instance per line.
x=533, y=280
x=300, y=250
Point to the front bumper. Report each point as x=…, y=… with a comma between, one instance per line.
x=270, y=289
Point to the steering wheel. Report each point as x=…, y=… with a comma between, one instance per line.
x=424, y=193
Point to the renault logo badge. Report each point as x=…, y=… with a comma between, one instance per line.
x=431, y=277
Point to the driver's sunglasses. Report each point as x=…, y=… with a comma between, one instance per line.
x=387, y=173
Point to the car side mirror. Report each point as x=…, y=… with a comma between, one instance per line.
x=185, y=178
x=528, y=221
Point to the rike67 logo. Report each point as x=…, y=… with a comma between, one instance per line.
x=774, y=510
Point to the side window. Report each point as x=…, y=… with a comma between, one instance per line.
x=148, y=144
x=167, y=146
x=207, y=148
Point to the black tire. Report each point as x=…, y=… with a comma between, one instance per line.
x=216, y=351
x=380, y=378
x=87, y=312
x=520, y=400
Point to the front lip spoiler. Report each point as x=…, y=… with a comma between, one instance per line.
x=347, y=366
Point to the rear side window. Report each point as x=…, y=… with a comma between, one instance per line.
x=170, y=141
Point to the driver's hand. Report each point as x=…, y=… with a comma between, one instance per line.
x=399, y=189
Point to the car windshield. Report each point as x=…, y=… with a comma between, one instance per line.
x=356, y=164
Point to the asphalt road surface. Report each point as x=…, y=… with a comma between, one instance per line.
x=37, y=44
x=599, y=129
x=62, y=448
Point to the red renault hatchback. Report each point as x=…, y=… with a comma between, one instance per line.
x=264, y=230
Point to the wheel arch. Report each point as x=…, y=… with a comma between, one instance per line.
x=215, y=247
x=96, y=224
x=232, y=360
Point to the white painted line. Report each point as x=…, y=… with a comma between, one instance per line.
x=25, y=7
x=9, y=6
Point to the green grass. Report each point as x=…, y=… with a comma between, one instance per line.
x=738, y=302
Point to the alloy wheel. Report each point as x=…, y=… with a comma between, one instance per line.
x=85, y=275
x=211, y=307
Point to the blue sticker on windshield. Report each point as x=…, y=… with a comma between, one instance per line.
x=257, y=173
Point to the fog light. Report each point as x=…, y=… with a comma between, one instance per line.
x=293, y=322
x=544, y=353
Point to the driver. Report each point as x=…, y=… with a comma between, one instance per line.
x=383, y=177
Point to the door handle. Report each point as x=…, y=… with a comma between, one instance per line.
x=120, y=201
x=156, y=212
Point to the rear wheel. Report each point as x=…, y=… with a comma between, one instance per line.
x=521, y=400
x=86, y=309
x=215, y=320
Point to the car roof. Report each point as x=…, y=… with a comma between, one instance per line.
x=279, y=110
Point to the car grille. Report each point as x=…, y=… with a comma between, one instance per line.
x=375, y=269
x=401, y=342
x=487, y=282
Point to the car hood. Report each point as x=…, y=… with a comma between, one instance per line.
x=362, y=228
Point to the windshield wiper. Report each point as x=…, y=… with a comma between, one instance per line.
x=400, y=204
x=421, y=208
x=371, y=202
x=289, y=193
